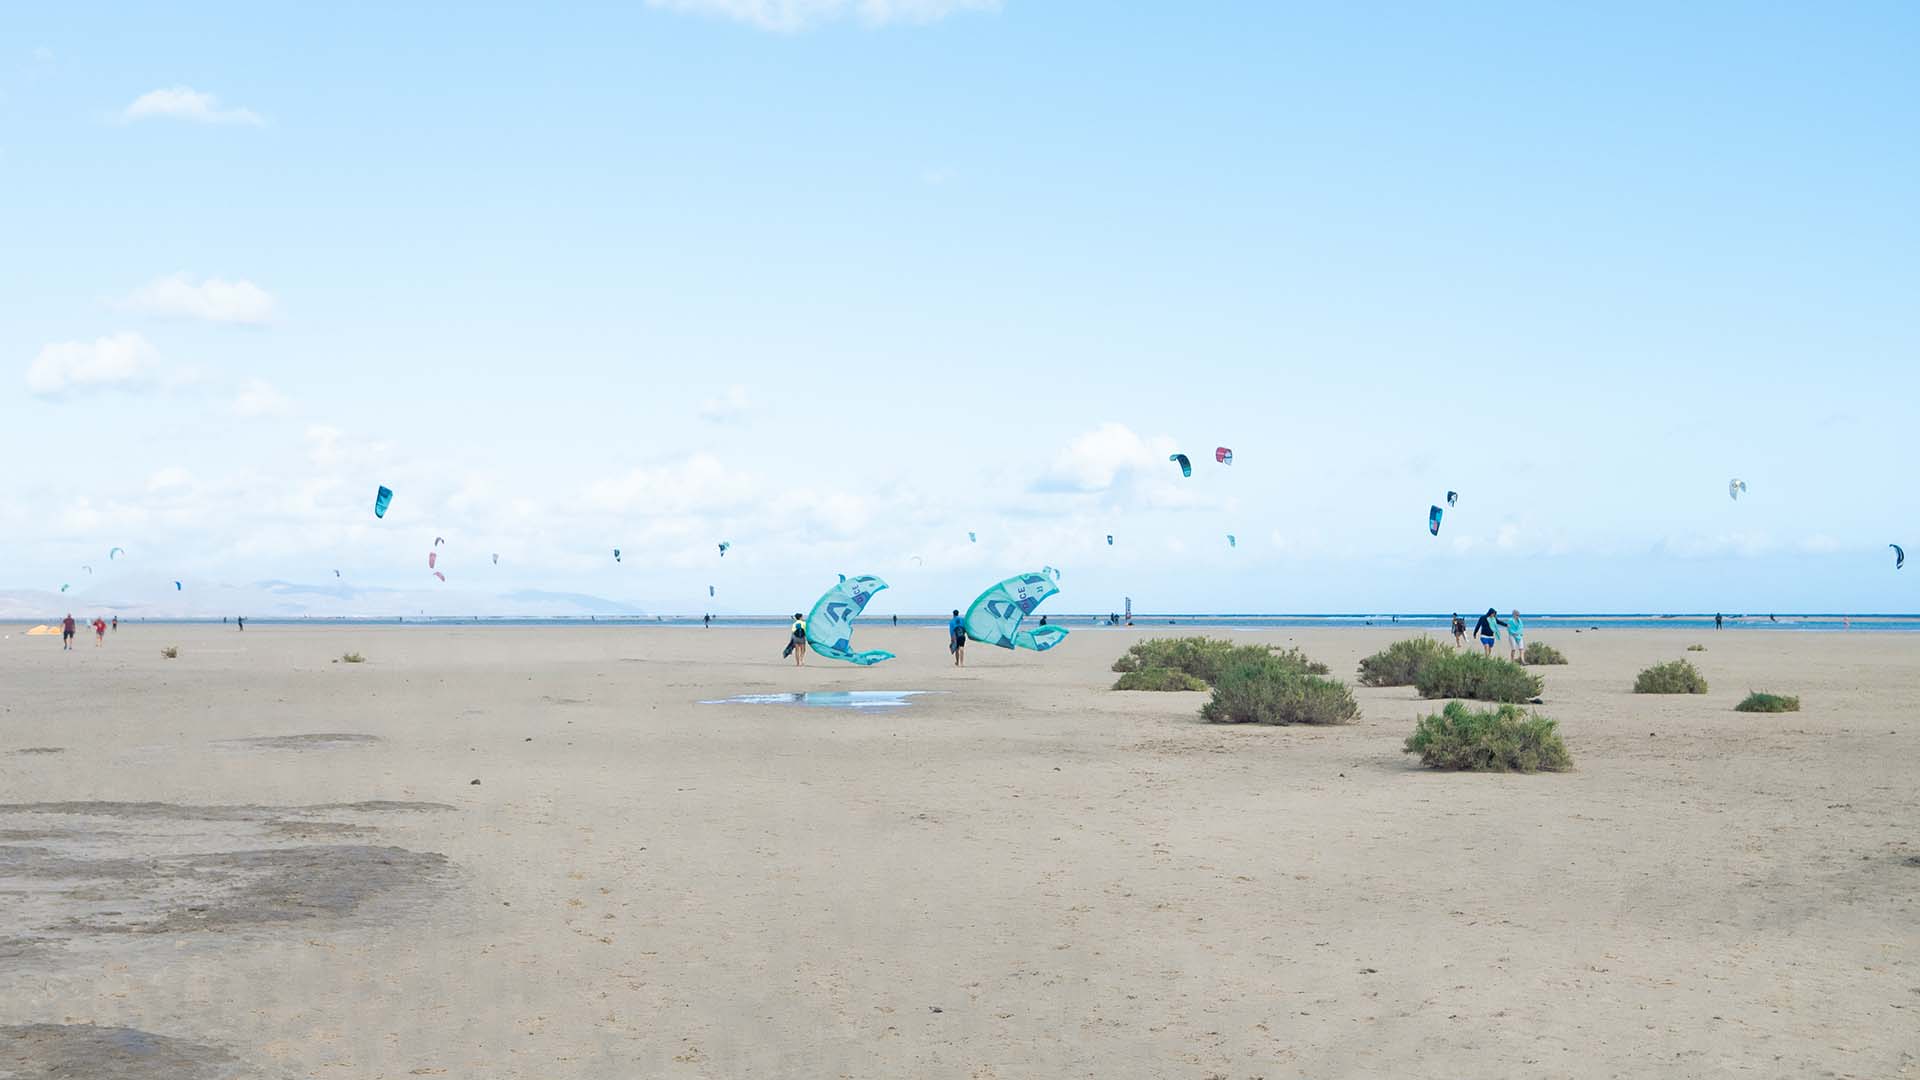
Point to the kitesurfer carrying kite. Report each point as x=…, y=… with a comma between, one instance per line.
x=797, y=640
x=957, y=639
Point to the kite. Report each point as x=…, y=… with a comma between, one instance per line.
x=433, y=557
x=1223, y=455
x=1186, y=466
x=972, y=539
x=116, y=553
x=380, y=500
x=724, y=545
x=1109, y=539
x=336, y=573
x=1899, y=556
x=709, y=590
x=616, y=554
x=830, y=623
x=1735, y=489
x=438, y=540
x=88, y=569
x=496, y=558
x=1453, y=497
x=176, y=586
x=918, y=561
x=994, y=617
x=1433, y=521
x=1232, y=541
x=63, y=588
x=440, y=575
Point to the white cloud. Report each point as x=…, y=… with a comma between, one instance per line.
x=170, y=478
x=1098, y=459
x=258, y=397
x=186, y=103
x=214, y=299
x=791, y=15
x=700, y=484
x=728, y=407
x=120, y=360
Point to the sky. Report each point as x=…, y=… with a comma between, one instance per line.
x=840, y=281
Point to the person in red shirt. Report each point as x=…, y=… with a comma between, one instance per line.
x=99, y=631
x=66, y=632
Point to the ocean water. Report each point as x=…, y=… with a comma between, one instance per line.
x=1430, y=621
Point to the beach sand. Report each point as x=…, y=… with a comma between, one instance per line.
x=253, y=861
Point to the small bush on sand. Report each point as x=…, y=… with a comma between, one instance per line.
x=1504, y=739
x=1539, y=652
x=1399, y=664
x=171, y=652
x=353, y=658
x=1672, y=677
x=1205, y=658
x=1158, y=678
x=1696, y=648
x=1270, y=690
x=1758, y=702
x=1478, y=677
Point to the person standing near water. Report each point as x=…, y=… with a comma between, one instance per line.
x=957, y=639
x=1516, y=631
x=1459, y=631
x=1484, y=630
x=66, y=633
x=1717, y=620
x=241, y=621
x=797, y=640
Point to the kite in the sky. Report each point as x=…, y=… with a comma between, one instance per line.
x=433, y=558
x=972, y=539
x=1109, y=539
x=438, y=540
x=336, y=573
x=1453, y=497
x=380, y=500
x=176, y=586
x=616, y=554
x=496, y=558
x=1232, y=541
x=88, y=569
x=724, y=545
x=116, y=553
x=1223, y=455
x=1899, y=556
x=1735, y=489
x=63, y=588
x=918, y=561
x=1186, y=466
x=994, y=617
x=440, y=575
x=1433, y=521
x=830, y=624
x=709, y=590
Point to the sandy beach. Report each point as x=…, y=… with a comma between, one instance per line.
x=277, y=865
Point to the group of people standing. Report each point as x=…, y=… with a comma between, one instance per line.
x=1487, y=630
x=99, y=630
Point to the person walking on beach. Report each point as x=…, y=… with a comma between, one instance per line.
x=1516, y=631
x=241, y=620
x=957, y=639
x=66, y=633
x=1484, y=630
x=99, y=631
x=797, y=640
x=1459, y=631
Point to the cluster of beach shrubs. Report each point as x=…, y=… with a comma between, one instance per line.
x=1539, y=652
x=1195, y=663
x=1477, y=677
x=1275, y=689
x=1672, y=677
x=1503, y=739
x=171, y=652
x=1696, y=648
x=1399, y=664
x=353, y=658
x=1759, y=702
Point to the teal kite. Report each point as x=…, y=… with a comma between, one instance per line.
x=1232, y=541
x=116, y=553
x=380, y=500
x=994, y=617
x=1186, y=466
x=830, y=623
x=724, y=545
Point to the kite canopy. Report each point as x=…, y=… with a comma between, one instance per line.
x=1186, y=466
x=616, y=554
x=994, y=617
x=1232, y=542
x=116, y=553
x=1433, y=521
x=972, y=539
x=440, y=575
x=724, y=545
x=438, y=540
x=830, y=623
x=1223, y=455
x=1735, y=489
x=1899, y=556
x=1109, y=539
x=1452, y=497
x=381, y=499
x=433, y=558
x=176, y=586
x=63, y=588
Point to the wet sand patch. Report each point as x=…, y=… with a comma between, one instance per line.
x=316, y=740
x=47, y=1051
x=41, y=750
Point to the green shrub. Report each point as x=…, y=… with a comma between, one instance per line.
x=1399, y=664
x=1477, y=676
x=1503, y=739
x=1696, y=648
x=1270, y=690
x=171, y=652
x=1672, y=677
x=1758, y=702
x=1205, y=658
x=1158, y=678
x=1539, y=652
x=353, y=658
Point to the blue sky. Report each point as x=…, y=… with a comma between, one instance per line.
x=840, y=282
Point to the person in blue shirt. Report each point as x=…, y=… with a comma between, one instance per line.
x=957, y=639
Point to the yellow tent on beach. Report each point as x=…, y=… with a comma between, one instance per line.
x=39, y=630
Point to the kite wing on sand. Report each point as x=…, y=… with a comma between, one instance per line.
x=830, y=624
x=994, y=616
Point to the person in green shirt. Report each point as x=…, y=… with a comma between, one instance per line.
x=1516, y=635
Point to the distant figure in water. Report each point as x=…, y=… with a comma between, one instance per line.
x=896, y=620
x=706, y=621
x=1459, y=631
x=1717, y=620
x=797, y=640
x=957, y=639
x=1043, y=620
x=242, y=621
x=1773, y=618
x=1485, y=632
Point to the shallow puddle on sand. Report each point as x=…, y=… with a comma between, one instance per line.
x=829, y=699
